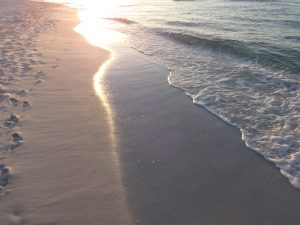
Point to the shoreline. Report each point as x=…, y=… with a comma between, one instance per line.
x=144, y=154
x=182, y=164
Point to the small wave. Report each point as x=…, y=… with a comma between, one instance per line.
x=296, y=38
x=278, y=83
x=221, y=45
x=183, y=23
x=260, y=53
x=196, y=40
x=292, y=23
x=120, y=20
x=189, y=24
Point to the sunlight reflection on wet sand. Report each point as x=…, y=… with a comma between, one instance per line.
x=100, y=37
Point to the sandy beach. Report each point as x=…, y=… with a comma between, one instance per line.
x=64, y=172
x=105, y=140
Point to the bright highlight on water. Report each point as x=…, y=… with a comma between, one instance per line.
x=238, y=59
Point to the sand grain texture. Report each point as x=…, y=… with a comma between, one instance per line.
x=64, y=172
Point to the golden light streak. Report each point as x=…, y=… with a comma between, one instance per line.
x=98, y=82
x=92, y=28
x=96, y=37
x=100, y=91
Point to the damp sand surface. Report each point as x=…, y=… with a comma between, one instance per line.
x=180, y=163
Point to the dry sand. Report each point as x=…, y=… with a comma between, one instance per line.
x=64, y=172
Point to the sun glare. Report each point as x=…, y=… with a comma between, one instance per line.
x=95, y=8
x=92, y=14
x=101, y=8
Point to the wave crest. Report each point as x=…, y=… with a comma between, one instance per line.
x=260, y=53
x=120, y=20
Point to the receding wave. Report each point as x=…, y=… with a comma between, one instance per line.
x=292, y=23
x=120, y=20
x=259, y=52
x=264, y=105
x=183, y=23
x=296, y=38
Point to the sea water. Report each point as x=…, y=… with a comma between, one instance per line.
x=240, y=59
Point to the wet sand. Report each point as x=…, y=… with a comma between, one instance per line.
x=183, y=165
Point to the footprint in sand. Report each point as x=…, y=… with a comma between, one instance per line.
x=39, y=81
x=38, y=77
x=22, y=92
x=25, y=104
x=2, y=73
x=3, y=97
x=11, y=121
x=40, y=74
x=14, y=101
x=15, y=142
x=17, y=216
x=8, y=80
x=4, y=176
